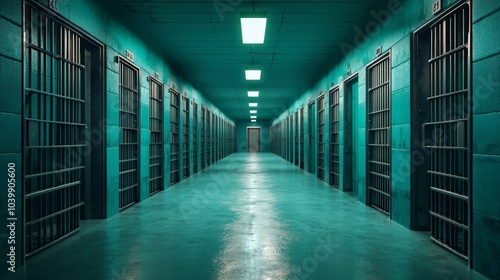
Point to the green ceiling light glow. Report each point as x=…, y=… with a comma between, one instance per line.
x=253, y=111
x=253, y=117
x=253, y=94
x=253, y=27
x=253, y=75
x=253, y=104
x=254, y=121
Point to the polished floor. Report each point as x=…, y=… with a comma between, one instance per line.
x=250, y=216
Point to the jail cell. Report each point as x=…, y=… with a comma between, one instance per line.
x=209, y=137
x=129, y=134
x=156, y=136
x=283, y=139
x=195, y=138
x=302, y=135
x=175, y=147
x=203, y=150
x=334, y=138
x=214, y=137
x=312, y=138
x=55, y=128
x=449, y=131
x=321, y=137
x=217, y=139
x=296, y=138
x=379, y=134
x=185, y=137
x=290, y=138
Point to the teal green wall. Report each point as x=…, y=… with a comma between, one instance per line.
x=241, y=135
x=486, y=143
x=10, y=121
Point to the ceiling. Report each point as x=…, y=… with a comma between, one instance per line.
x=203, y=39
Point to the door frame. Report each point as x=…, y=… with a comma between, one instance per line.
x=260, y=137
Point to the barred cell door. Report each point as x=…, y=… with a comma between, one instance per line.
x=185, y=137
x=290, y=138
x=379, y=134
x=60, y=90
x=214, y=138
x=208, y=134
x=334, y=138
x=129, y=134
x=321, y=137
x=156, y=170
x=442, y=121
x=203, y=150
x=175, y=147
x=195, y=138
x=312, y=137
x=296, y=138
x=302, y=137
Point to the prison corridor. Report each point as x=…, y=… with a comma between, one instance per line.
x=249, y=216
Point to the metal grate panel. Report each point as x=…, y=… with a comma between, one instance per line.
x=54, y=121
x=195, y=138
x=203, y=150
x=129, y=134
x=334, y=138
x=302, y=135
x=185, y=138
x=379, y=134
x=312, y=141
x=209, y=138
x=321, y=137
x=175, y=147
x=450, y=154
x=296, y=138
x=290, y=138
x=156, y=160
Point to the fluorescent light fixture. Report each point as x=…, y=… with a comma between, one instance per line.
x=253, y=27
x=253, y=104
x=253, y=75
x=253, y=94
x=254, y=121
x=253, y=117
x=253, y=111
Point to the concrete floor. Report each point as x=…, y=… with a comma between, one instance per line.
x=250, y=216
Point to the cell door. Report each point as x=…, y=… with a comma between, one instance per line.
x=379, y=134
x=253, y=136
x=321, y=137
x=442, y=123
x=290, y=138
x=312, y=137
x=350, y=132
x=175, y=147
x=213, y=138
x=203, y=150
x=63, y=169
x=208, y=134
x=129, y=134
x=156, y=170
x=302, y=137
x=195, y=138
x=296, y=138
x=185, y=137
x=334, y=137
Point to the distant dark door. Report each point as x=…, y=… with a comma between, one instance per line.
x=253, y=140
